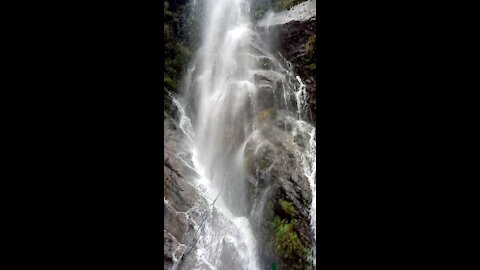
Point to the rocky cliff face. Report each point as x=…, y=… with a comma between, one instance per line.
x=279, y=193
x=281, y=199
x=182, y=203
x=294, y=31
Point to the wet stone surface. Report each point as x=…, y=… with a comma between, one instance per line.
x=182, y=200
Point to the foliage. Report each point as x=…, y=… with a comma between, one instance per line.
x=310, y=53
x=310, y=46
x=259, y=8
x=287, y=207
x=176, y=49
x=283, y=4
x=169, y=15
x=287, y=243
x=179, y=32
x=249, y=164
x=169, y=82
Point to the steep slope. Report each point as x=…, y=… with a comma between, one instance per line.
x=294, y=30
x=279, y=158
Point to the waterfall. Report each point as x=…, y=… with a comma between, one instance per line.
x=235, y=91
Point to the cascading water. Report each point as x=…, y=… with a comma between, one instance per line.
x=235, y=91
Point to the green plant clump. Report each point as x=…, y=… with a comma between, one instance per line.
x=284, y=4
x=287, y=207
x=310, y=46
x=259, y=8
x=179, y=32
x=287, y=244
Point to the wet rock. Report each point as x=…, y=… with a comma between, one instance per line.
x=265, y=63
x=295, y=29
x=265, y=97
x=302, y=12
x=281, y=190
x=261, y=77
x=170, y=243
x=181, y=199
x=181, y=194
x=189, y=262
x=176, y=223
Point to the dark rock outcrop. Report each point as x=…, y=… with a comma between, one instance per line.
x=281, y=198
x=280, y=193
x=294, y=32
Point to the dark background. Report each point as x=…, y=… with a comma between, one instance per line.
x=85, y=136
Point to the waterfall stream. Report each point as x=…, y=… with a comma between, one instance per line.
x=236, y=93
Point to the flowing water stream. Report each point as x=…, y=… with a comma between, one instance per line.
x=235, y=90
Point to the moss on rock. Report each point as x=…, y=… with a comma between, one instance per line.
x=310, y=46
x=287, y=207
x=287, y=244
x=266, y=114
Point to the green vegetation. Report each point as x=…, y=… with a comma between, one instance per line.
x=181, y=33
x=264, y=163
x=310, y=46
x=249, y=164
x=286, y=241
x=284, y=4
x=259, y=8
x=305, y=203
x=287, y=207
x=177, y=51
x=287, y=244
x=169, y=82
